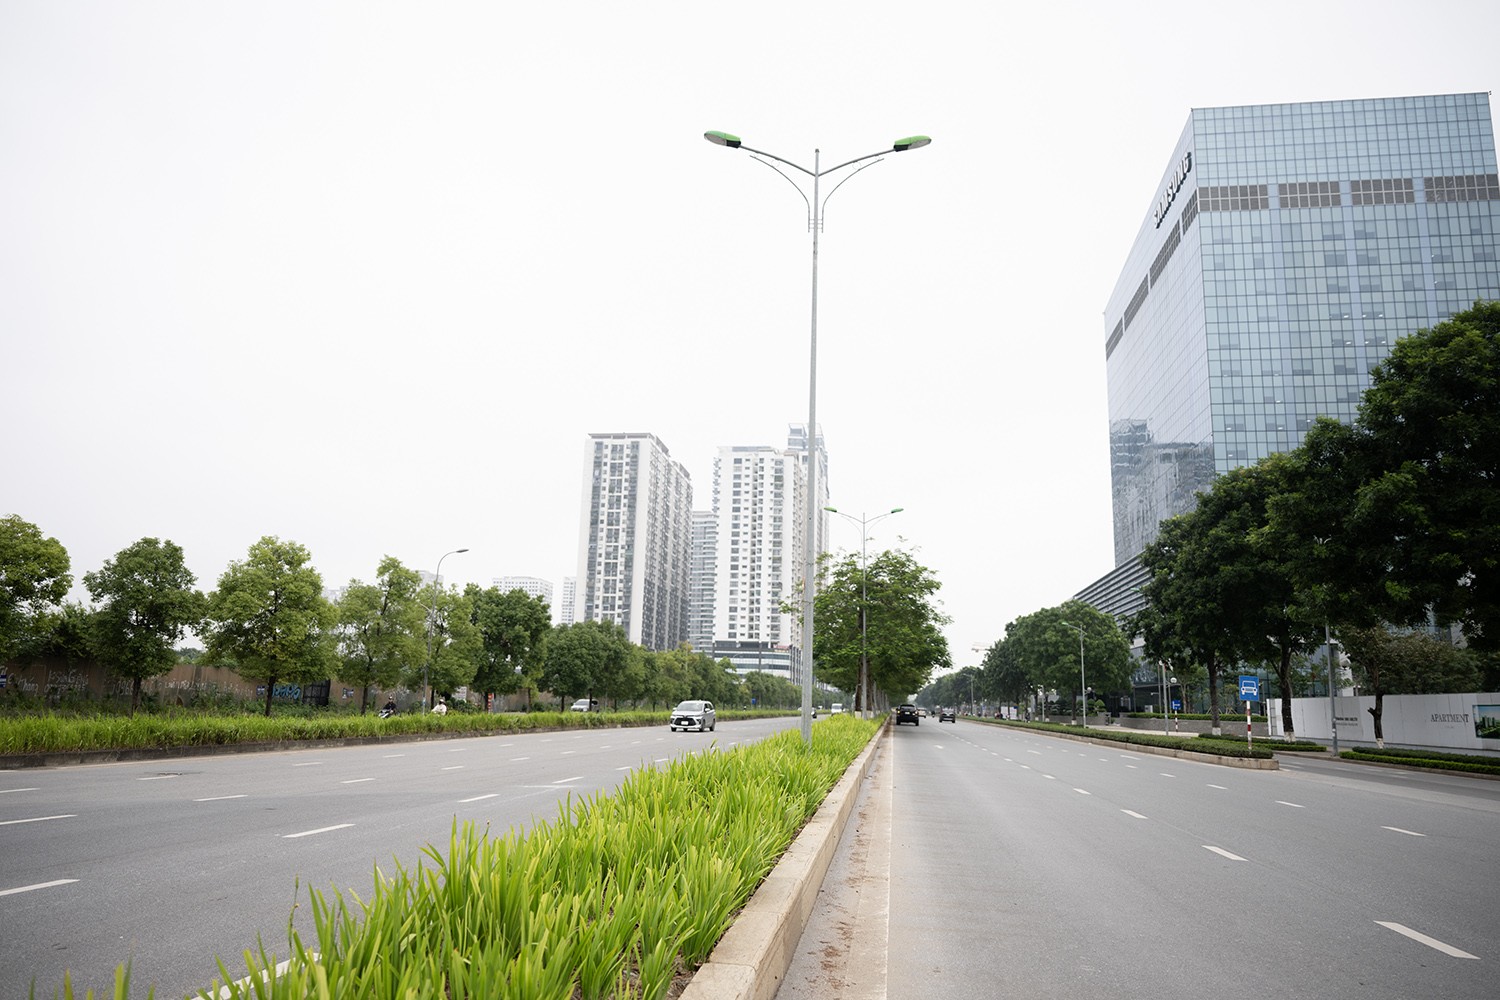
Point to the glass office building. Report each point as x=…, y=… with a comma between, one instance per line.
x=1287, y=247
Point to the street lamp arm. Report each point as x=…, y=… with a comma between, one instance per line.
x=791, y=182
x=823, y=209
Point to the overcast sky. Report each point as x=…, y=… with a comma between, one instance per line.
x=366, y=275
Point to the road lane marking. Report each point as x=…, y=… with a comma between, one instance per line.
x=321, y=829
x=1132, y=767
x=1409, y=833
x=38, y=819
x=355, y=781
x=1037, y=752
x=392, y=755
x=456, y=749
x=625, y=768
x=221, y=798
x=1080, y=791
x=1282, y=802
x=39, y=885
x=564, y=781
x=517, y=760
x=480, y=798
x=1049, y=777
x=453, y=767
x=566, y=752
x=158, y=777
x=309, y=763
x=1446, y=949
x=5, y=790
x=1219, y=787
x=1164, y=774
x=1222, y=853
x=1132, y=812
x=1126, y=756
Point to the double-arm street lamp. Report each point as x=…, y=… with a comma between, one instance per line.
x=815, y=206
x=1083, y=690
x=432, y=624
x=863, y=694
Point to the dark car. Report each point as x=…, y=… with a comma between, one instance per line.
x=948, y=715
x=908, y=713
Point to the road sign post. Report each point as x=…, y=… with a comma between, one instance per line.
x=1249, y=691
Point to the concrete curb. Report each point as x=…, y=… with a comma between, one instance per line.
x=752, y=957
x=1250, y=763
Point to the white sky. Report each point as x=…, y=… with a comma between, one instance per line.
x=365, y=275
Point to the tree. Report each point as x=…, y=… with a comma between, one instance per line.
x=1386, y=661
x=581, y=658
x=511, y=628
x=903, y=639
x=1041, y=650
x=456, y=641
x=33, y=578
x=147, y=604
x=380, y=628
x=269, y=620
x=64, y=633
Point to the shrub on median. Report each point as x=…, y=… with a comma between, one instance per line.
x=1471, y=763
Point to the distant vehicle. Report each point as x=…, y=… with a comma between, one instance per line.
x=948, y=715
x=838, y=708
x=923, y=712
x=907, y=713
x=697, y=715
x=585, y=705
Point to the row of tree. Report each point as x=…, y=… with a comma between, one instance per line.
x=1368, y=532
x=269, y=620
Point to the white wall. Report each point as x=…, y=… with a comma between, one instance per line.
x=1434, y=720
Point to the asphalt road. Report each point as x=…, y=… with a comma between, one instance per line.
x=170, y=863
x=1010, y=864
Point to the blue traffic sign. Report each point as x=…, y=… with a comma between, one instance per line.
x=1249, y=688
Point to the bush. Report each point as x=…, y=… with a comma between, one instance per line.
x=1437, y=759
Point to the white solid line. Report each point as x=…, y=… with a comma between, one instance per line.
x=1409, y=833
x=564, y=781
x=220, y=798
x=1446, y=949
x=37, y=819
x=39, y=885
x=479, y=798
x=4, y=790
x=309, y=833
x=1132, y=812
x=1223, y=853
x=355, y=781
x=1080, y=791
x=1294, y=805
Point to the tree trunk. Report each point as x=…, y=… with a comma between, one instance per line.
x=1284, y=677
x=364, y=698
x=270, y=687
x=135, y=695
x=1375, y=713
x=1213, y=694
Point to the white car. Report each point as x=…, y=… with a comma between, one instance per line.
x=585, y=705
x=697, y=715
x=838, y=708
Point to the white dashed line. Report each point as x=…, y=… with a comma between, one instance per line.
x=564, y=781
x=221, y=798
x=1164, y=774
x=517, y=760
x=5, y=790
x=1049, y=777
x=480, y=798
x=1446, y=949
x=356, y=781
x=37, y=819
x=39, y=885
x=1409, y=833
x=1222, y=853
x=391, y=756
x=1080, y=791
x=453, y=767
x=321, y=829
x=1132, y=812
x=1219, y=787
x=1294, y=805
x=158, y=777
x=310, y=763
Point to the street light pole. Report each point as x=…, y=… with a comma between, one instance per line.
x=815, y=222
x=1083, y=689
x=863, y=694
x=432, y=624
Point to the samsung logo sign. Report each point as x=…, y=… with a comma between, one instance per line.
x=1179, y=177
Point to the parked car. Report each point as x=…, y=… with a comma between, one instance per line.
x=948, y=715
x=585, y=705
x=697, y=715
x=907, y=713
x=838, y=708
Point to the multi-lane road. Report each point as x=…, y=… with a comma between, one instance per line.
x=170, y=863
x=999, y=863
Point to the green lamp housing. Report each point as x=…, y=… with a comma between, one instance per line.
x=911, y=142
x=723, y=139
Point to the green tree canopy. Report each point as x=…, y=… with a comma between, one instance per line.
x=268, y=618
x=147, y=603
x=511, y=628
x=34, y=577
x=584, y=658
x=1042, y=650
x=903, y=637
x=1396, y=661
x=380, y=627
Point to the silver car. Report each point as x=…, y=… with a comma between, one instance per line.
x=697, y=715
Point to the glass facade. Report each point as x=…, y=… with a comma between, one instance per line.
x=1287, y=248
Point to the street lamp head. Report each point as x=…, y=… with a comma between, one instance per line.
x=724, y=139
x=457, y=551
x=833, y=510
x=910, y=142
x=897, y=510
